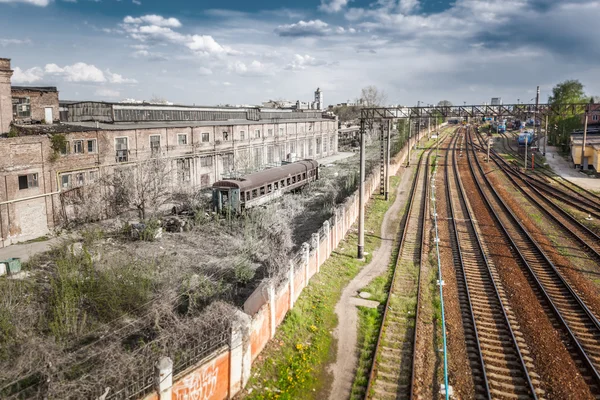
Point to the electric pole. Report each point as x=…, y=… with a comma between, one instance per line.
x=361, y=194
x=387, y=162
x=585, y=124
x=545, y=136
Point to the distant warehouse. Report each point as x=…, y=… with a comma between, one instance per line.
x=51, y=170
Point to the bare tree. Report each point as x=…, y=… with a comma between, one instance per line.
x=444, y=103
x=144, y=187
x=371, y=96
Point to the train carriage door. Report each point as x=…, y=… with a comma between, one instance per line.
x=235, y=199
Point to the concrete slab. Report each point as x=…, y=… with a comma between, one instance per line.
x=565, y=169
x=25, y=251
x=364, y=302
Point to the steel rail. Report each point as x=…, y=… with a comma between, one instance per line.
x=584, y=230
x=535, y=250
x=405, y=224
x=474, y=236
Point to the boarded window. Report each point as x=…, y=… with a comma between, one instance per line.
x=28, y=181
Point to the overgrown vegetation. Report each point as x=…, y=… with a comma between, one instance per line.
x=58, y=144
x=292, y=366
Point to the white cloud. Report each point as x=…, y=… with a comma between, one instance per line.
x=205, y=44
x=227, y=83
x=153, y=19
x=78, y=72
x=407, y=6
x=255, y=68
x=8, y=42
x=30, y=75
x=332, y=6
x=301, y=62
x=117, y=78
x=41, y=3
x=136, y=2
x=106, y=92
x=304, y=28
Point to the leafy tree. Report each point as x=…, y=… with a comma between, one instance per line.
x=371, y=96
x=567, y=92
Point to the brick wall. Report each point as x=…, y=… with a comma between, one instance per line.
x=39, y=100
x=5, y=95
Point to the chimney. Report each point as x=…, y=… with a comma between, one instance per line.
x=5, y=95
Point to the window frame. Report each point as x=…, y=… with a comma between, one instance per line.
x=270, y=132
x=184, y=136
x=77, y=146
x=257, y=134
x=202, y=137
x=124, y=156
x=69, y=181
x=30, y=181
x=94, y=146
x=15, y=109
x=242, y=135
x=154, y=149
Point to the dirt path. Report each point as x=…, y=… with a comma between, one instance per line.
x=346, y=333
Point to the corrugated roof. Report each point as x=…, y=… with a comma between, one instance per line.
x=261, y=178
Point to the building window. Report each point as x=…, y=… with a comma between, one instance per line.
x=292, y=147
x=270, y=154
x=325, y=145
x=242, y=135
x=595, y=117
x=155, y=144
x=28, y=181
x=270, y=132
x=91, y=146
x=258, y=157
x=64, y=148
x=227, y=162
x=93, y=176
x=182, y=139
x=257, y=133
x=205, y=137
x=206, y=161
x=121, y=149
x=319, y=140
x=21, y=107
x=79, y=179
x=310, y=148
x=225, y=135
x=331, y=139
x=77, y=146
x=184, y=170
x=65, y=181
x=204, y=180
x=281, y=132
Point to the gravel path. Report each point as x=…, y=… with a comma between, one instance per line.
x=345, y=334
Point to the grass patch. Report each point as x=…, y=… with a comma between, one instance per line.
x=293, y=364
x=44, y=238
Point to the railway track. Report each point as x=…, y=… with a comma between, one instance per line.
x=392, y=372
x=563, y=189
x=576, y=319
x=497, y=353
x=588, y=240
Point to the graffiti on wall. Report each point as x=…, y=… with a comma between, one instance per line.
x=201, y=385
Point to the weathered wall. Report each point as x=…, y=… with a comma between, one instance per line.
x=267, y=306
x=39, y=100
x=5, y=95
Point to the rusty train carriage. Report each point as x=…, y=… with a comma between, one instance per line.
x=261, y=187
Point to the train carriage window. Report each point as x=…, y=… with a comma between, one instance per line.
x=303, y=175
x=276, y=185
x=248, y=195
x=242, y=195
x=298, y=178
x=283, y=183
x=254, y=193
x=288, y=181
x=262, y=191
x=293, y=179
x=269, y=188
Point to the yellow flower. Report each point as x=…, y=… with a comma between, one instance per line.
x=313, y=328
x=299, y=346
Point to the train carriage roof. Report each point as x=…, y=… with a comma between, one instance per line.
x=258, y=179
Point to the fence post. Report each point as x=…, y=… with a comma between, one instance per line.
x=271, y=292
x=335, y=230
x=343, y=221
x=317, y=245
x=163, y=378
x=291, y=280
x=306, y=248
x=240, y=359
x=327, y=230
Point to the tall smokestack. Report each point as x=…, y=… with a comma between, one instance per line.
x=5, y=95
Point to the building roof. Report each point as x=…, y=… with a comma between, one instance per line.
x=592, y=139
x=258, y=179
x=34, y=88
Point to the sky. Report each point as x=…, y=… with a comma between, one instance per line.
x=209, y=52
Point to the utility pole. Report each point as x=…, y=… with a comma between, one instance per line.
x=489, y=142
x=545, y=136
x=361, y=194
x=409, y=145
x=525, y=159
x=387, y=162
x=585, y=123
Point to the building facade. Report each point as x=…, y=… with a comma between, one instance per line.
x=52, y=175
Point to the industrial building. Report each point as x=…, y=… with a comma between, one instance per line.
x=592, y=151
x=52, y=174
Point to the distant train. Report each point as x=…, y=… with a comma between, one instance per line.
x=526, y=136
x=263, y=186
